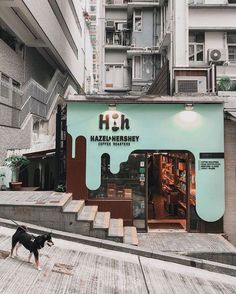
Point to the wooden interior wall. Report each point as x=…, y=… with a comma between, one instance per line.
x=118, y=208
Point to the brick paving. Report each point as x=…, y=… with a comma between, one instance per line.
x=184, y=242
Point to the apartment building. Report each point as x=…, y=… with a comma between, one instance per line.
x=45, y=54
x=93, y=28
x=198, y=38
x=138, y=37
x=130, y=36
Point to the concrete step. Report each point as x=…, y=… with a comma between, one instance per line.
x=73, y=206
x=130, y=236
x=88, y=213
x=116, y=230
x=102, y=220
x=100, y=225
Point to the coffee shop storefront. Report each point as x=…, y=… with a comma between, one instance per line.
x=153, y=164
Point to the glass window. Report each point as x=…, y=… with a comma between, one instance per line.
x=137, y=20
x=137, y=67
x=16, y=84
x=93, y=28
x=109, y=38
x=92, y=8
x=128, y=184
x=196, y=47
x=5, y=78
x=231, y=39
x=232, y=53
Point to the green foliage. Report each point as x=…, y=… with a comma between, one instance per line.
x=225, y=84
x=16, y=161
x=60, y=188
x=233, y=87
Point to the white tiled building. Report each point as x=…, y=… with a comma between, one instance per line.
x=45, y=54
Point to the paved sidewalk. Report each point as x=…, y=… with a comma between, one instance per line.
x=185, y=242
x=95, y=270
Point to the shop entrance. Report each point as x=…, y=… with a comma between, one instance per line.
x=158, y=186
x=171, y=196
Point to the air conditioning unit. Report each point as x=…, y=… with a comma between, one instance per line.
x=217, y=55
x=193, y=84
x=122, y=26
x=110, y=24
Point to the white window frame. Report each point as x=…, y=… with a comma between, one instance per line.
x=196, y=2
x=195, y=43
x=231, y=45
x=195, y=52
x=138, y=16
x=141, y=68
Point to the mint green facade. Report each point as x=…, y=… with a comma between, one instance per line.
x=154, y=127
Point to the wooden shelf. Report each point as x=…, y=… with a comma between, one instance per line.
x=170, y=180
x=182, y=180
x=182, y=204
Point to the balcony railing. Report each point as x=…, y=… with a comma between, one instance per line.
x=116, y=2
x=32, y=98
x=119, y=38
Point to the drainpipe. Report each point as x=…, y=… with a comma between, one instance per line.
x=58, y=142
x=213, y=78
x=154, y=41
x=84, y=55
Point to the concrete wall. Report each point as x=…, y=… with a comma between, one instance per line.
x=32, y=66
x=180, y=33
x=230, y=181
x=89, y=81
x=11, y=63
x=55, y=37
x=116, y=14
x=212, y=18
x=36, y=67
x=145, y=37
x=11, y=138
x=216, y=1
x=227, y=70
x=69, y=19
x=214, y=40
x=115, y=56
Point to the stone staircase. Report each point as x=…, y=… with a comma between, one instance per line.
x=59, y=211
x=88, y=221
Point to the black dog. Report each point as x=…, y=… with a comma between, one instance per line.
x=30, y=242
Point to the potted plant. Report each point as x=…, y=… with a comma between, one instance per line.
x=15, y=162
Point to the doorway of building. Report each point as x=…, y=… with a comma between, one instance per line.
x=171, y=191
